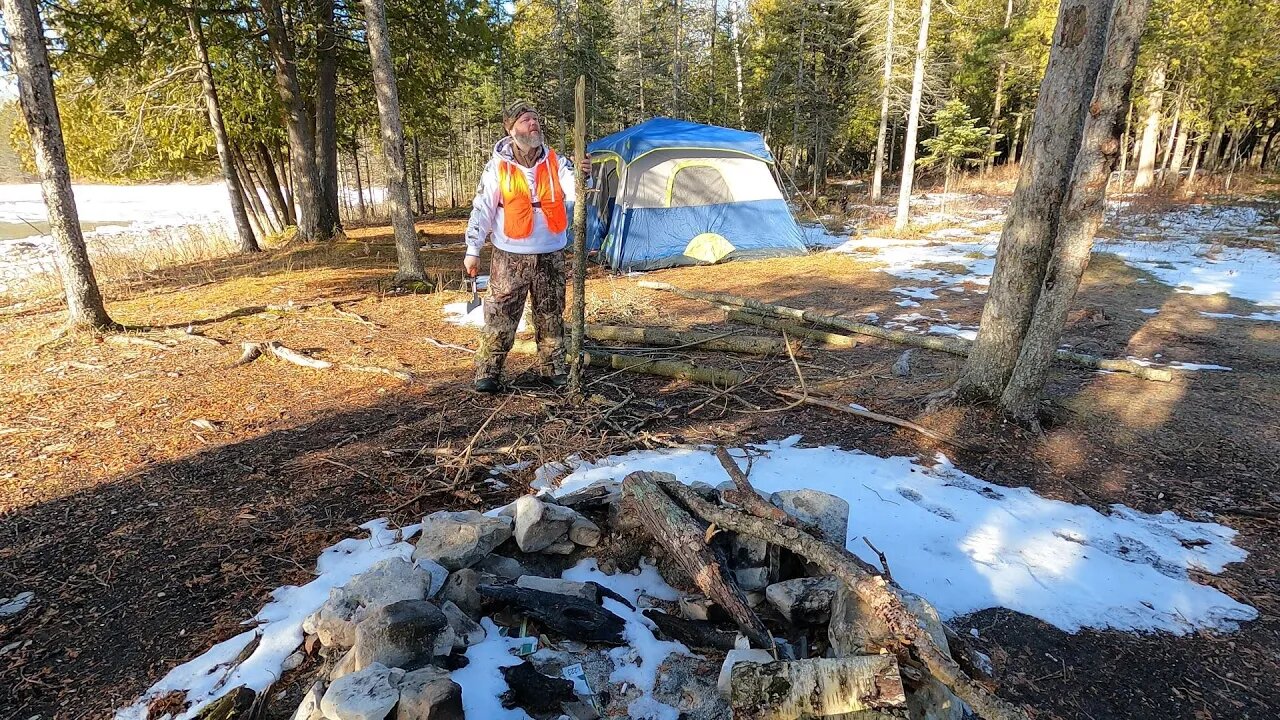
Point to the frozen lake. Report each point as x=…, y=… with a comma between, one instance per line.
x=114, y=217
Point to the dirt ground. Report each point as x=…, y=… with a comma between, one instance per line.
x=153, y=498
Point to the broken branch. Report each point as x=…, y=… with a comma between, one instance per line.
x=879, y=417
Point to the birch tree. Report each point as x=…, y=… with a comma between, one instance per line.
x=886, y=86
x=913, y=122
x=1154, y=95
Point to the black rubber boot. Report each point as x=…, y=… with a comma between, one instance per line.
x=487, y=385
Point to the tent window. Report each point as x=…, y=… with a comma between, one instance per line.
x=606, y=195
x=693, y=185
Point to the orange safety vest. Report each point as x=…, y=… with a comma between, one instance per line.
x=518, y=203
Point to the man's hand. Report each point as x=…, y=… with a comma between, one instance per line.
x=472, y=265
x=586, y=166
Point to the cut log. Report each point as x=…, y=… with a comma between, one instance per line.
x=694, y=633
x=890, y=419
x=663, y=337
x=819, y=687
x=872, y=589
x=683, y=538
x=664, y=368
x=250, y=352
x=947, y=344
x=765, y=321
x=568, y=616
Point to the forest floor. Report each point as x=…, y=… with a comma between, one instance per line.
x=151, y=499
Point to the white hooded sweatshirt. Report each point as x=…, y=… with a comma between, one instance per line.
x=487, y=214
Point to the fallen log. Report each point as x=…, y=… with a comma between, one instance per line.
x=400, y=375
x=746, y=496
x=569, y=616
x=683, y=537
x=534, y=692
x=693, y=633
x=818, y=687
x=664, y=368
x=947, y=344
x=124, y=340
x=879, y=417
x=872, y=589
x=772, y=323
x=663, y=337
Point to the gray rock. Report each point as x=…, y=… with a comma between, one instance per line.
x=391, y=580
x=309, y=708
x=429, y=694
x=733, y=657
x=539, y=524
x=825, y=511
x=804, y=601
x=293, y=661
x=466, y=632
x=561, y=547
x=460, y=589
x=694, y=608
x=502, y=566
x=438, y=572
x=396, y=635
x=749, y=558
x=365, y=695
x=460, y=539
x=563, y=587
x=584, y=532
x=706, y=491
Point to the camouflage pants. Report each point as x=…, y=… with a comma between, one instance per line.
x=512, y=277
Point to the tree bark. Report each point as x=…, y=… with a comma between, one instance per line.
x=684, y=539
x=578, y=319
x=831, y=340
x=1173, y=176
x=302, y=147
x=913, y=122
x=271, y=183
x=663, y=368
x=886, y=82
x=364, y=211
x=1082, y=211
x=417, y=176
x=408, y=261
x=1151, y=129
x=737, y=63
x=1175, y=125
x=44, y=126
x=1037, y=200
x=244, y=233
x=1124, y=141
x=816, y=687
x=250, y=193
x=1195, y=160
x=327, y=119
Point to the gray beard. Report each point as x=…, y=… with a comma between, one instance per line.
x=528, y=142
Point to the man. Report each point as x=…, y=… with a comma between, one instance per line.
x=524, y=201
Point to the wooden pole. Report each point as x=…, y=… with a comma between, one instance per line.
x=579, y=235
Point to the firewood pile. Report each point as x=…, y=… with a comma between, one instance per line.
x=775, y=618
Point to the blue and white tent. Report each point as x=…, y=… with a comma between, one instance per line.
x=670, y=192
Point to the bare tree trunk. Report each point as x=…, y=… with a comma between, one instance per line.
x=302, y=146
x=996, y=104
x=1195, y=160
x=913, y=122
x=1082, y=210
x=579, y=318
x=355, y=158
x=327, y=119
x=877, y=178
x=417, y=175
x=286, y=183
x=1016, y=145
x=275, y=195
x=675, y=64
x=1151, y=130
x=1213, y=151
x=737, y=63
x=1173, y=175
x=244, y=233
x=1174, y=126
x=44, y=126
x=266, y=223
x=408, y=261
x=1033, y=210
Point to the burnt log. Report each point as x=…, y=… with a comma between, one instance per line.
x=569, y=616
x=693, y=633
